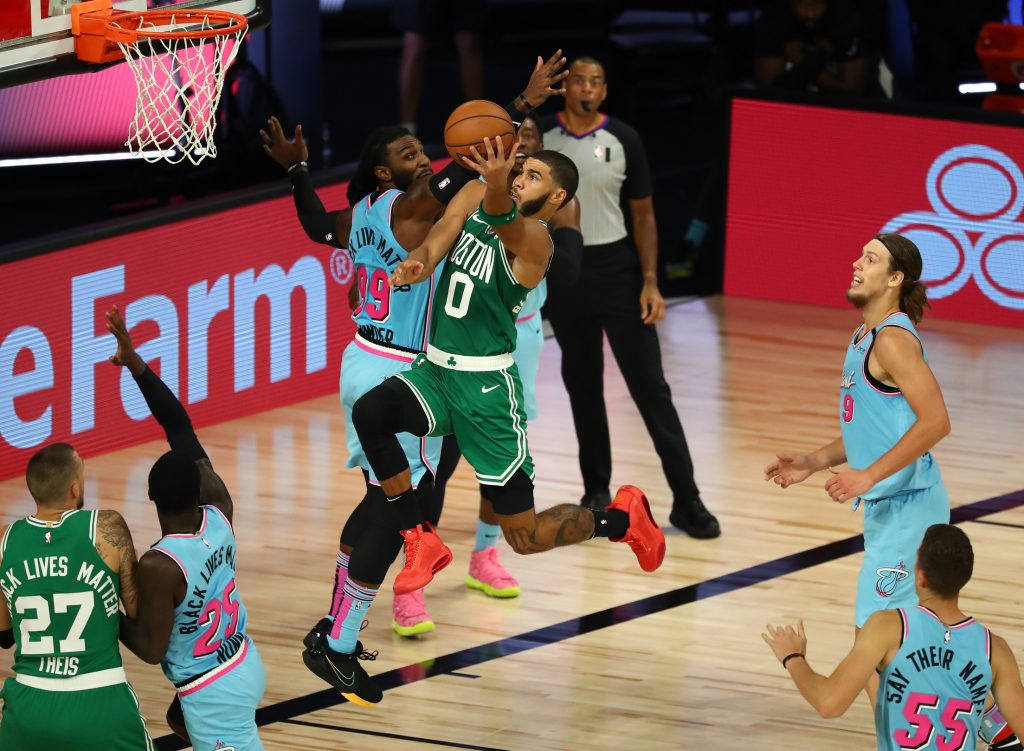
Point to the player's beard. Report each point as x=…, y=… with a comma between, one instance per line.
x=529, y=208
x=403, y=180
x=855, y=299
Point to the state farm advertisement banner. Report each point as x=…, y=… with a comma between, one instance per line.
x=238, y=311
x=809, y=186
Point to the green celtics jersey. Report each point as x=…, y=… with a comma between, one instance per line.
x=62, y=597
x=478, y=297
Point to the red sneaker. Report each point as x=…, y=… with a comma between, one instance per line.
x=644, y=535
x=425, y=555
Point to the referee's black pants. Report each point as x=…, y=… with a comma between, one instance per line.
x=606, y=300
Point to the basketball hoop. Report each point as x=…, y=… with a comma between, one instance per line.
x=179, y=59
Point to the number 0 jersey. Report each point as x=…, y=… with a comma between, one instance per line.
x=62, y=597
x=874, y=416
x=478, y=297
x=935, y=685
x=209, y=624
x=393, y=317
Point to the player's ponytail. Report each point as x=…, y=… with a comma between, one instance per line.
x=373, y=155
x=904, y=256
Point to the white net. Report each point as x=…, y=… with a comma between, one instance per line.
x=180, y=81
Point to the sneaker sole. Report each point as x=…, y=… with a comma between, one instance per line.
x=490, y=591
x=415, y=630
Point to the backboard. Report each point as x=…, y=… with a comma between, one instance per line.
x=36, y=41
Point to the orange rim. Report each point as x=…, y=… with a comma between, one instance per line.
x=228, y=24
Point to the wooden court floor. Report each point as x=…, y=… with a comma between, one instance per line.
x=596, y=655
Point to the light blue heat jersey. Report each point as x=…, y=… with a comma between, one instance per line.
x=534, y=301
x=874, y=417
x=393, y=317
x=932, y=694
x=209, y=624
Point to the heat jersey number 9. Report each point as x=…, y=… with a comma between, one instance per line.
x=374, y=294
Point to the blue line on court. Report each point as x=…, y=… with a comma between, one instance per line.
x=720, y=585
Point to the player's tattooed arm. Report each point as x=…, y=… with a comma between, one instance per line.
x=115, y=546
x=213, y=491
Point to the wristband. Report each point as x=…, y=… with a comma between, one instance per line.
x=497, y=221
x=787, y=658
x=523, y=101
x=297, y=165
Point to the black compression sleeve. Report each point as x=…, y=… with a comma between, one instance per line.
x=567, y=258
x=7, y=639
x=516, y=115
x=449, y=181
x=320, y=225
x=170, y=414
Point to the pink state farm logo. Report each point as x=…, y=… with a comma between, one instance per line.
x=974, y=228
x=341, y=266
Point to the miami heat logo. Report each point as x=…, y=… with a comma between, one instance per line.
x=847, y=381
x=888, y=578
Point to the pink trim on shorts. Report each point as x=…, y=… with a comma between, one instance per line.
x=528, y=318
x=218, y=672
x=392, y=354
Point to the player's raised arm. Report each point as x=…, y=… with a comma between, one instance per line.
x=529, y=241
x=170, y=413
x=421, y=261
x=161, y=585
x=321, y=226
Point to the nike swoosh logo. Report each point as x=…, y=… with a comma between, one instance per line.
x=485, y=390
x=350, y=681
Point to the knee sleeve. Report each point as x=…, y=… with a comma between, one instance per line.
x=514, y=497
x=378, y=416
x=358, y=520
x=376, y=550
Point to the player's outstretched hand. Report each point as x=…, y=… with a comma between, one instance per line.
x=279, y=148
x=546, y=79
x=126, y=356
x=788, y=470
x=786, y=640
x=493, y=166
x=409, y=271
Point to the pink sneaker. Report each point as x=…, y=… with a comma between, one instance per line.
x=488, y=575
x=410, y=614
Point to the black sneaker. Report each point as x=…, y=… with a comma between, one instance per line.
x=344, y=672
x=322, y=628
x=600, y=500
x=695, y=520
x=1007, y=744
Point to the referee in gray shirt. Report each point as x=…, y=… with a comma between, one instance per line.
x=616, y=273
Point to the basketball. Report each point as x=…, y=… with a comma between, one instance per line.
x=472, y=122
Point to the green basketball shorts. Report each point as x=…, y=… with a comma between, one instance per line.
x=485, y=410
x=97, y=719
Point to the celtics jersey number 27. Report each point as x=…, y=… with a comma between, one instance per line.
x=478, y=298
